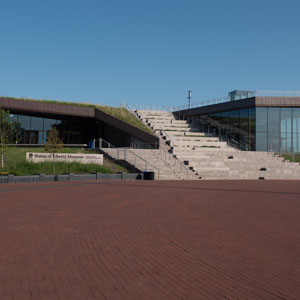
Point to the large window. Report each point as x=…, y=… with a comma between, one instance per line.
x=278, y=129
x=252, y=129
x=286, y=130
x=244, y=129
x=296, y=130
x=24, y=122
x=274, y=129
x=32, y=130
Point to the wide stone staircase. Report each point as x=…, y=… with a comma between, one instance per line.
x=160, y=161
x=210, y=158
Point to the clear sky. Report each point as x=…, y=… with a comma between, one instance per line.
x=147, y=51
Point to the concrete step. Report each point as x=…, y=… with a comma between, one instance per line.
x=212, y=159
x=194, y=139
x=165, y=121
x=189, y=134
x=198, y=144
x=156, y=160
x=174, y=129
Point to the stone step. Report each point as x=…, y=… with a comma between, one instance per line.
x=213, y=159
x=215, y=152
x=198, y=144
x=193, y=139
x=244, y=165
x=155, y=160
x=213, y=146
x=174, y=129
x=189, y=134
x=199, y=162
x=166, y=121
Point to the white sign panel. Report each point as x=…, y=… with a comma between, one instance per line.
x=65, y=157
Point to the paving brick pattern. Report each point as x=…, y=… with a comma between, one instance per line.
x=150, y=240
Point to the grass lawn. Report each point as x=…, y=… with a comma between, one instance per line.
x=15, y=163
x=292, y=158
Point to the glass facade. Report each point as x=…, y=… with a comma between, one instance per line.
x=32, y=130
x=274, y=129
x=72, y=129
x=35, y=130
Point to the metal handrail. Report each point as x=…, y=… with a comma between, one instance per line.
x=165, y=133
x=235, y=143
x=110, y=146
x=230, y=141
x=176, y=160
x=146, y=107
x=257, y=93
x=166, y=152
x=144, y=145
x=223, y=137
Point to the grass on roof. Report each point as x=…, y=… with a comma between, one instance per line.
x=124, y=115
x=119, y=113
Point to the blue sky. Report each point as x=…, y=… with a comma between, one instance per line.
x=147, y=52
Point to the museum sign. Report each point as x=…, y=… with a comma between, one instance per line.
x=65, y=157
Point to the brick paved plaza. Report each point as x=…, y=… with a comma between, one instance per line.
x=150, y=240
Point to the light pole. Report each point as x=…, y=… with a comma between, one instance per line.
x=189, y=98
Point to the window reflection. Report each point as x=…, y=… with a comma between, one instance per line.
x=49, y=123
x=36, y=123
x=261, y=141
x=24, y=122
x=262, y=119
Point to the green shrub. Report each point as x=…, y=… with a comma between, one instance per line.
x=30, y=168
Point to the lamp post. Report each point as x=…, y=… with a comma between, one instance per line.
x=189, y=98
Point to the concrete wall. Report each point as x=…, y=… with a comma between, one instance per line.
x=70, y=177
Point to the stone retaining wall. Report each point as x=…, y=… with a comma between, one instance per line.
x=69, y=177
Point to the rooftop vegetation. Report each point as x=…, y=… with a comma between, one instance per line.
x=119, y=113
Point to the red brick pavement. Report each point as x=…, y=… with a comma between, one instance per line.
x=150, y=240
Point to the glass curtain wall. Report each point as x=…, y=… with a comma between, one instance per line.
x=278, y=130
x=33, y=130
x=273, y=129
x=237, y=126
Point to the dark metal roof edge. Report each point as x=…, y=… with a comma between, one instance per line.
x=220, y=107
x=278, y=101
x=47, y=108
x=259, y=101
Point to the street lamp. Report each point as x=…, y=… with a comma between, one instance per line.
x=189, y=98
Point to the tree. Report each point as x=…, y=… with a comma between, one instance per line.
x=7, y=130
x=54, y=142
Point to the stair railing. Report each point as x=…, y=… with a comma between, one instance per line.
x=166, y=153
x=125, y=155
x=176, y=161
x=147, y=107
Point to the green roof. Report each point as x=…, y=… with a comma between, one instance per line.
x=119, y=113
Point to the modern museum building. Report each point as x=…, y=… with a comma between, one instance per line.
x=250, y=121
x=77, y=124
x=247, y=120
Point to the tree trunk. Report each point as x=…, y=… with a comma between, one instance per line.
x=2, y=155
x=2, y=148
